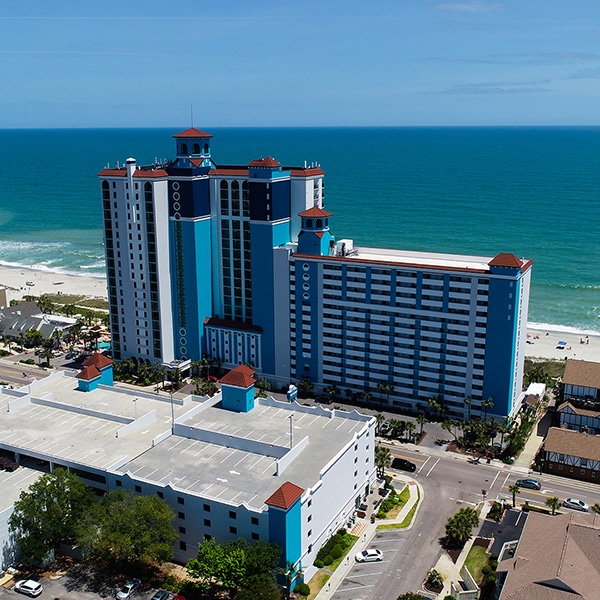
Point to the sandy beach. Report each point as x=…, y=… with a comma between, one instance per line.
x=541, y=343
x=544, y=343
x=18, y=281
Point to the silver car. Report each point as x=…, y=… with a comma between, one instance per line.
x=128, y=589
x=576, y=504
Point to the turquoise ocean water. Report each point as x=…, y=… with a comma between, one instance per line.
x=534, y=192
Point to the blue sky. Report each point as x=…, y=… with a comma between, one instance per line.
x=145, y=63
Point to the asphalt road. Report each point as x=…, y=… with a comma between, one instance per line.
x=450, y=482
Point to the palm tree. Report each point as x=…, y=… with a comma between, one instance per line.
x=395, y=427
x=468, y=405
x=514, y=490
x=487, y=404
x=595, y=508
x=366, y=396
x=47, y=353
x=553, y=503
x=421, y=420
x=380, y=418
x=383, y=459
x=409, y=427
x=448, y=425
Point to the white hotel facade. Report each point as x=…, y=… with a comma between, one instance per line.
x=238, y=263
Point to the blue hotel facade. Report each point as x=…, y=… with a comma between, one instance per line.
x=239, y=263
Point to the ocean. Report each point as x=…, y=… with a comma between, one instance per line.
x=530, y=191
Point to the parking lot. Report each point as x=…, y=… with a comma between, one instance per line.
x=81, y=583
x=363, y=578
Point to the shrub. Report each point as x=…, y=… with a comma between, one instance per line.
x=336, y=551
x=328, y=560
x=303, y=589
x=486, y=570
x=342, y=531
x=319, y=563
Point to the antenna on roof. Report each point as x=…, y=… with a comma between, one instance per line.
x=192, y=114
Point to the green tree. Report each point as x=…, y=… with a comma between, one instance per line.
x=468, y=405
x=263, y=385
x=47, y=353
x=448, y=425
x=262, y=590
x=383, y=459
x=434, y=578
x=487, y=404
x=553, y=503
x=595, y=508
x=305, y=386
x=223, y=564
x=409, y=428
x=460, y=525
x=49, y=512
x=410, y=596
x=421, y=420
x=33, y=338
x=514, y=490
x=124, y=527
x=380, y=420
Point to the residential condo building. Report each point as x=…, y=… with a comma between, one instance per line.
x=239, y=263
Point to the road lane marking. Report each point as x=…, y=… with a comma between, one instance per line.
x=435, y=463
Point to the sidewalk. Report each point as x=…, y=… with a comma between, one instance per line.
x=366, y=531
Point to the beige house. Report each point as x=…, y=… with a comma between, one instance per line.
x=581, y=382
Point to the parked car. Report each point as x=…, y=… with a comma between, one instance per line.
x=404, y=465
x=532, y=484
x=576, y=504
x=29, y=587
x=369, y=555
x=128, y=589
x=161, y=595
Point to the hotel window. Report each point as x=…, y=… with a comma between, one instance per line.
x=181, y=529
x=207, y=523
x=182, y=546
x=254, y=536
x=232, y=529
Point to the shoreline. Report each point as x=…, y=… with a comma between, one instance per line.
x=542, y=339
x=17, y=279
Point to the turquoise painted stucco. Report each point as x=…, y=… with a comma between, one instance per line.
x=285, y=529
x=237, y=398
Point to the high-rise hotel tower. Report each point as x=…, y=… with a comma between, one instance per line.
x=238, y=263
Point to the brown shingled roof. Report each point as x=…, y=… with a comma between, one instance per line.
x=266, y=162
x=573, y=443
x=285, y=496
x=558, y=557
x=192, y=132
x=582, y=372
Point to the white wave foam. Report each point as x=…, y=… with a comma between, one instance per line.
x=562, y=329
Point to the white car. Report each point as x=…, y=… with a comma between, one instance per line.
x=29, y=587
x=576, y=504
x=369, y=555
x=128, y=589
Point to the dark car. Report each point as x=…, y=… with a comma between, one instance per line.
x=532, y=484
x=404, y=465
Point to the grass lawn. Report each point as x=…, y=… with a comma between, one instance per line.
x=317, y=582
x=476, y=560
x=409, y=517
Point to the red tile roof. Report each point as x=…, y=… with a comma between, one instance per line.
x=112, y=173
x=97, y=360
x=227, y=324
x=315, y=211
x=267, y=162
x=88, y=373
x=192, y=132
x=505, y=259
x=143, y=174
x=300, y=172
x=234, y=171
x=241, y=376
x=285, y=496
